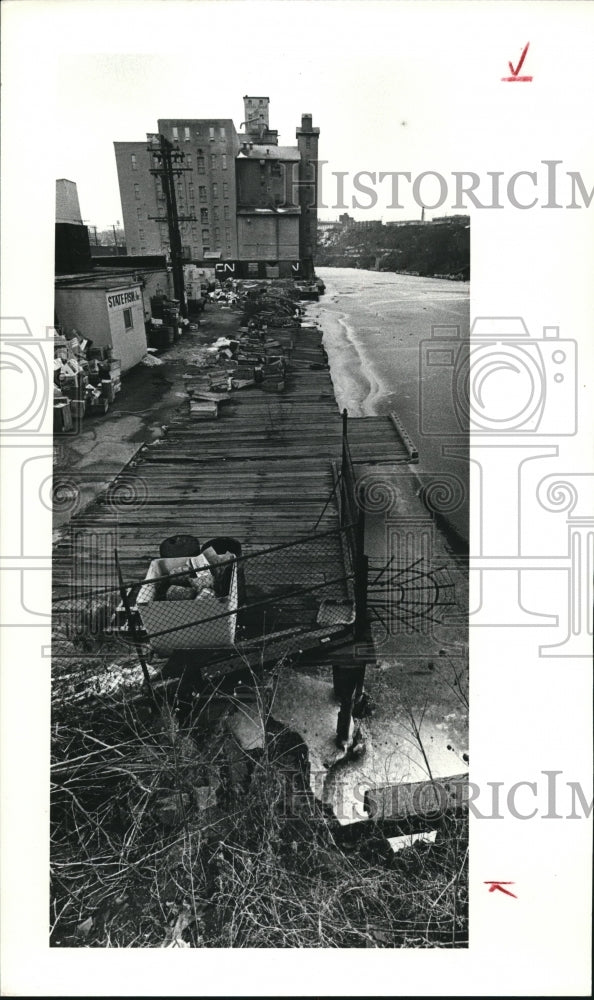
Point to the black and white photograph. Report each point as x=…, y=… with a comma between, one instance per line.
x=285, y=702
x=297, y=341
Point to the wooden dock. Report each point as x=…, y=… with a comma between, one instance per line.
x=261, y=472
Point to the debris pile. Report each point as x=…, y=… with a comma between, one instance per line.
x=166, y=325
x=86, y=379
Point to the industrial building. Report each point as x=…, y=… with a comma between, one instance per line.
x=108, y=300
x=245, y=203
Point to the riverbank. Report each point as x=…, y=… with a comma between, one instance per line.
x=378, y=329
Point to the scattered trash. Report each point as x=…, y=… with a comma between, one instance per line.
x=150, y=360
x=401, y=843
x=174, y=938
x=203, y=409
x=84, y=929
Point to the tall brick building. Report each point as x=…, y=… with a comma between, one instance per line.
x=250, y=203
x=205, y=190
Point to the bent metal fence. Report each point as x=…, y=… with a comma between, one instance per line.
x=352, y=522
x=262, y=605
x=267, y=603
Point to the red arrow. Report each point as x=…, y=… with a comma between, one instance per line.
x=514, y=72
x=499, y=886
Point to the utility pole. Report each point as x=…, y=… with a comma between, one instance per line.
x=169, y=160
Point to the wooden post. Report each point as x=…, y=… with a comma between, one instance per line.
x=343, y=471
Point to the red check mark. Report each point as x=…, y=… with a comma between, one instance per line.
x=514, y=72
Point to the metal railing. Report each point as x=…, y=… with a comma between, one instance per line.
x=352, y=521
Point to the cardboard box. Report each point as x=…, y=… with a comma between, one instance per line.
x=273, y=385
x=62, y=417
x=188, y=618
x=77, y=409
x=203, y=409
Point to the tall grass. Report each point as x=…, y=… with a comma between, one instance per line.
x=165, y=836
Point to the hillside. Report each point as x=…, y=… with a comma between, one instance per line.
x=440, y=248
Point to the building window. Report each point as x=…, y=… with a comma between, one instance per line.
x=211, y=132
x=213, y=161
x=224, y=161
x=186, y=133
x=175, y=135
x=200, y=164
x=205, y=235
x=128, y=324
x=191, y=191
x=217, y=237
x=204, y=215
x=188, y=160
x=228, y=236
x=202, y=193
x=137, y=191
x=139, y=213
x=226, y=213
x=215, y=190
x=222, y=131
x=187, y=251
x=225, y=189
x=215, y=214
x=253, y=268
x=133, y=158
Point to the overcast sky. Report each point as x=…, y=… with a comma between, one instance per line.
x=392, y=86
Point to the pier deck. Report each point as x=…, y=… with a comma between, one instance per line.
x=261, y=472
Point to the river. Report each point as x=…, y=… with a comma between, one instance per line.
x=379, y=329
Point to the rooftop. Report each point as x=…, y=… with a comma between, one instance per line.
x=110, y=279
x=257, y=152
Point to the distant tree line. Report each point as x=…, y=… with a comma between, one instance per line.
x=439, y=247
